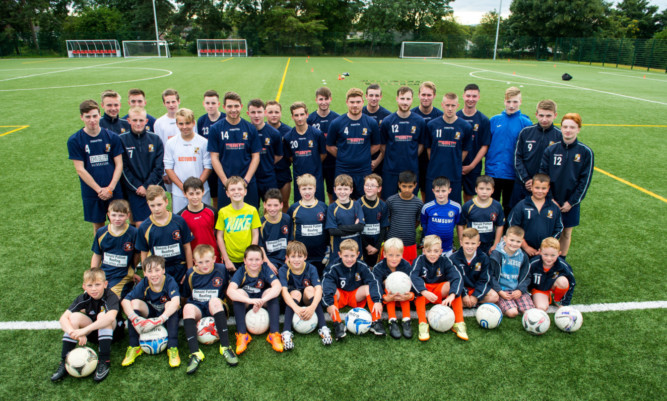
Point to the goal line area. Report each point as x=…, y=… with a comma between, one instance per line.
x=591, y=308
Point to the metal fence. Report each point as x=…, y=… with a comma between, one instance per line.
x=649, y=54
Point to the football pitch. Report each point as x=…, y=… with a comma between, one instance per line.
x=618, y=252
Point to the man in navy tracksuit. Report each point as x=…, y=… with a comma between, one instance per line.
x=530, y=146
x=570, y=165
x=505, y=128
x=110, y=120
x=143, y=163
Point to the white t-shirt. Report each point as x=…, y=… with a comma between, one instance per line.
x=187, y=159
x=166, y=128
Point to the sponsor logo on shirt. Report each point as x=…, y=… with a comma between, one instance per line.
x=187, y=159
x=99, y=160
x=238, y=223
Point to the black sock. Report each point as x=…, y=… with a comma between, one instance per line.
x=68, y=345
x=105, y=336
x=274, y=315
x=239, y=315
x=321, y=321
x=289, y=315
x=172, y=330
x=191, y=334
x=221, y=325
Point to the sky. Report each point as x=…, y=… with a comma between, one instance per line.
x=470, y=12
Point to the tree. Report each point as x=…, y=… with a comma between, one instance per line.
x=639, y=19
x=484, y=35
x=550, y=19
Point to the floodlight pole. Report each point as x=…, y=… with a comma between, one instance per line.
x=495, y=46
x=157, y=35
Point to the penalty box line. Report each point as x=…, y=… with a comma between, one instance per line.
x=20, y=127
x=592, y=308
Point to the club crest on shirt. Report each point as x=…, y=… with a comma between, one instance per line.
x=478, y=266
x=217, y=282
x=284, y=229
x=320, y=216
x=413, y=129
x=196, y=150
x=438, y=272
x=551, y=143
x=493, y=216
x=267, y=141
x=245, y=136
x=475, y=127
x=457, y=136
x=550, y=214
x=164, y=299
x=107, y=148
x=450, y=213
x=260, y=284
x=151, y=148
x=364, y=132
x=176, y=235
x=555, y=275
x=306, y=282
x=357, y=277
x=577, y=158
x=310, y=143
x=128, y=247
x=379, y=216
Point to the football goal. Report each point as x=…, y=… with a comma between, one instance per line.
x=421, y=50
x=145, y=48
x=222, y=48
x=93, y=48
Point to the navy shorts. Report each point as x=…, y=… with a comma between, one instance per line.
x=329, y=173
x=213, y=184
x=423, y=166
x=138, y=206
x=177, y=271
x=571, y=218
x=95, y=209
x=454, y=195
x=519, y=193
x=390, y=185
x=283, y=176
x=358, y=182
x=251, y=198
x=469, y=181
x=263, y=185
x=319, y=190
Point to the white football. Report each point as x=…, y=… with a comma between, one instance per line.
x=568, y=319
x=154, y=341
x=304, y=326
x=358, y=321
x=257, y=323
x=536, y=321
x=398, y=283
x=489, y=316
x=80, y=362
x=207, y=333
x=441, y=318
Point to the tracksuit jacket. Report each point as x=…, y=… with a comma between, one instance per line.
x=504, y=133
x=496, y=261
x=143, y=159
x=530, y=146
x=570, y=168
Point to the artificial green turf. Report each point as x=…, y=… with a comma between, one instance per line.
x=615, y=355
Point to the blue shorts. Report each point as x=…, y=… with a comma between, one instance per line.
x=283, y=176
x=95, y=209
x=519, y=193
x=469, y=181
x=357, y=181
x=264, y=184
x=204, y=309
x=138, y=206
x=177, y=271
x=571, y=218
x=390, y=185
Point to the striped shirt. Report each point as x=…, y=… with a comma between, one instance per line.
x=403, y=218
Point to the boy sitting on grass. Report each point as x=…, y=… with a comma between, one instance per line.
x=254, y=285
x=510, y=270
x=550, y=275
x=393, y=261
x=92, y=313
x=439, y=282
x=302, y=293
x=346, y=283
x=205, y=290
x=155, y=300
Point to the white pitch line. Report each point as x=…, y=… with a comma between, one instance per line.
x=612, y=307
x=632, y=76
x=569, y=86
x=66, y=70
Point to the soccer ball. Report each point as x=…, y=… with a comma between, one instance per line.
x=358, y=321
x=80, y=362
x=441, y=318
x=304, y=326
x=207, y=333
x=568, y=319
x=257, y=323
x=398, y=283
x=489, y=316
x=154, y=341
x=536, y=321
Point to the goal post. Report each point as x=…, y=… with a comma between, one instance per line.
x=421, y=50
x=145, y=48
x=93, y=48
x=222, y=48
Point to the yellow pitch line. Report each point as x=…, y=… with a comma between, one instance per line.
x=348, y=60
x=637, y=187
x=623, y=125
x=224, y=61
x=14, y=130
x=282, y=81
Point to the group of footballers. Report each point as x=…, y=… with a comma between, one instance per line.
x=369, y=164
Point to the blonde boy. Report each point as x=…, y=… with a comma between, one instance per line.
x=550, y=276
x=302, y=293
x=439, y=282
x=93, y=311
x=238, y=224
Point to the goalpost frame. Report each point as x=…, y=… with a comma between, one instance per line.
x=435, y=55
x=222, y=48
x=162, y=49
x=80, y=48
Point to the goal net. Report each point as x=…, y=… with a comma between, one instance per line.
x=222, y=48
x=145, y=48
x=93, y=48
x=421, y=50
